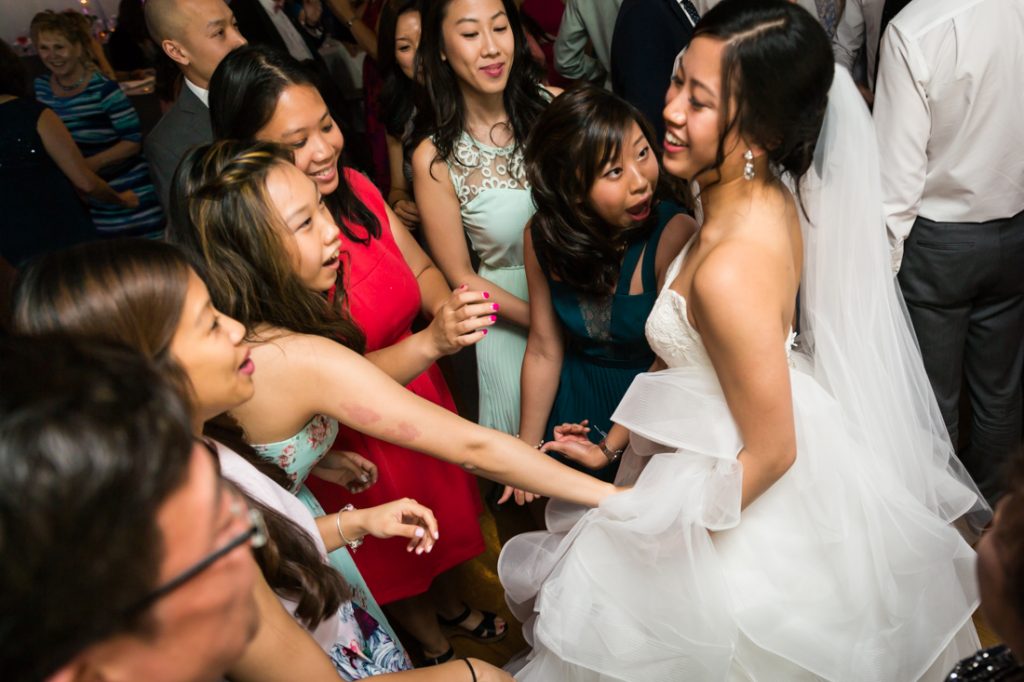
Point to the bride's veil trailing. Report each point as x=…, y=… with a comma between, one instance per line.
x=853, y=323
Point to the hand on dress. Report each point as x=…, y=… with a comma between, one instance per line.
x=408, y=212
x=128, y=199
x=351, y=471
x=402, y=518
x=462, y=320
x=571, y=441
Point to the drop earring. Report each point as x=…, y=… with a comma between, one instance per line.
x=748, y=167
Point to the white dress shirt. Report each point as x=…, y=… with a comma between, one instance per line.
x=858, y=30
x=948, y=106
x=289, y=34
x=201, y=93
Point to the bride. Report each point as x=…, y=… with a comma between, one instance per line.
x=793, y=498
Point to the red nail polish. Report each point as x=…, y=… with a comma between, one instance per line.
x=494, y=318
x=486, y=295
x=485, y=332
x=495, y=306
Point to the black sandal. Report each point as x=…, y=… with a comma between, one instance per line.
x=486, y=631
x=443, y=658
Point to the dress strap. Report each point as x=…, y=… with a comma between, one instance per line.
x=666, y=211
x=629, y=262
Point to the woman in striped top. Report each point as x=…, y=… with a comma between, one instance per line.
x=102, y=122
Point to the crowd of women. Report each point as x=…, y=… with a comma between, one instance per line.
x=750, y=478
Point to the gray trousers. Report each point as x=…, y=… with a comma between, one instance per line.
x=964, y=287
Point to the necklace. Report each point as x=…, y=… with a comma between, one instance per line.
x=69, y=88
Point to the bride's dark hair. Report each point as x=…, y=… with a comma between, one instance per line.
x=777, y=65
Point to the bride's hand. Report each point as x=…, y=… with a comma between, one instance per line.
x=581, y=451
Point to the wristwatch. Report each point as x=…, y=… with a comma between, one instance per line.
x=612, y=455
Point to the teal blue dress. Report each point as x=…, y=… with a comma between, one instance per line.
x=605, y=345
x=495, y=204
x=297, y=456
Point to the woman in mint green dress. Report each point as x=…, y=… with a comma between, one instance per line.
x=469, y=177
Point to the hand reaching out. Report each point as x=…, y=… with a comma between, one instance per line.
x=402, y=518
x=571, y=441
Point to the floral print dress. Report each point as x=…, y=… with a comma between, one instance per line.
x=366, y=645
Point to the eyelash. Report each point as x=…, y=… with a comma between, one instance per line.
x=696, y=105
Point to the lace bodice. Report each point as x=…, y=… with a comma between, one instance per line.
x=669, y=331
x=478, y=167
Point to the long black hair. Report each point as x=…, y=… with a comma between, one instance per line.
x=397, y=93
x=244, y=90
x=579, y=133
x=777, y=64
x=524, y=96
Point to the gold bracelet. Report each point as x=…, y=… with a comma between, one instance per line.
x=353, y=544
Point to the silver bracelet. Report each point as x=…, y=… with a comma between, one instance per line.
x=353, y=544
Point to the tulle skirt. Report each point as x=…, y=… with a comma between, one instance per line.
x=837, y=572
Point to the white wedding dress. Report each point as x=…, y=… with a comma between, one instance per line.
x=846, y=569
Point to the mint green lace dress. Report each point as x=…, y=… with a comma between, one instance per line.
x=495, y=203
x=297, y=456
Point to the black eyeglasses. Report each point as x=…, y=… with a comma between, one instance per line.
x=255, y=535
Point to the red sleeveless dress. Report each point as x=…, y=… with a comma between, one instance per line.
x=384, y=299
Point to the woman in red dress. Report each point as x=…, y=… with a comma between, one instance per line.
x=387, y=279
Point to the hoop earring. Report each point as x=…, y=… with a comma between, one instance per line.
x=748, y=167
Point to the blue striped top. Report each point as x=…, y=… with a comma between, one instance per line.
x=99, y=117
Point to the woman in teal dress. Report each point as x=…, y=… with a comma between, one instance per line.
x=469, y=178
x=595, y=252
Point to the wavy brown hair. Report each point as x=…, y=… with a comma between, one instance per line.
x=131, y=291
x=224, y=219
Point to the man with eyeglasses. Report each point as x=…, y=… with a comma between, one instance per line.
x=123, y=554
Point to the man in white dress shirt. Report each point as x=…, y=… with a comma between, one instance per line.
x=948, y=102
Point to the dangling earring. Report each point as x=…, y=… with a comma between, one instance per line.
x=748, y=167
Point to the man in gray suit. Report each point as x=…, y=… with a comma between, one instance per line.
x=196, y=35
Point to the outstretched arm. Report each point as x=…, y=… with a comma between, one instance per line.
x=320, y=376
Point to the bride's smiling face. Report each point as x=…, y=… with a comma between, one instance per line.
x=693, y=113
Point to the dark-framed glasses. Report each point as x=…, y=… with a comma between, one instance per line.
x=255, y=535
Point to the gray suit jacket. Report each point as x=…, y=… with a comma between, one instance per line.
x=185, y=125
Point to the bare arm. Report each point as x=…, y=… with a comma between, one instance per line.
x=400, y=195
x=542, y=362
x=314, y=375
x=365, y=35
x=452, y=671
x=65, y=153
x=282, y=649
x=738, y=300
x=124, y=149
x=442, y=226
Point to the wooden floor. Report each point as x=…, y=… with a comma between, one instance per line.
x=480, y=586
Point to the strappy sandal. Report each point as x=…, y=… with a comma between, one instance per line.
x=443, y=658
x=486, y=631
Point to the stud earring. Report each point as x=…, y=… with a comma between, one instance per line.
x=748, y=167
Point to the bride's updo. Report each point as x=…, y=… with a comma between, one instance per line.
x=777, y=67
